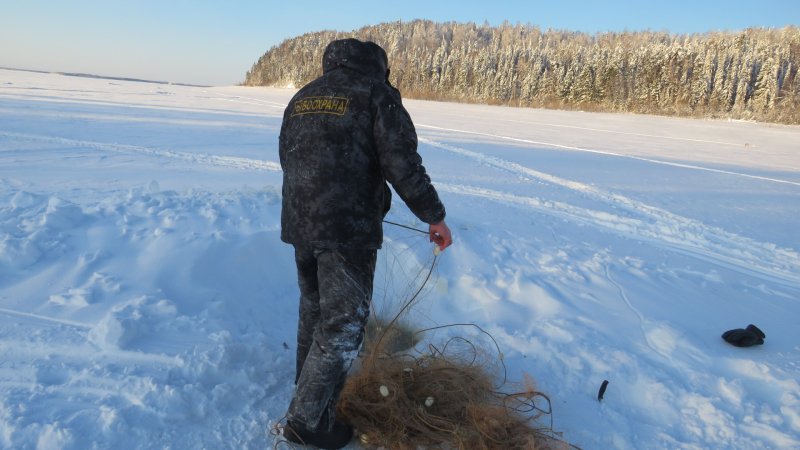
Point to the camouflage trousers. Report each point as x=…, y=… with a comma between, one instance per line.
x=335, y=295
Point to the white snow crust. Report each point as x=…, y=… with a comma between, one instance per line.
x=146, y=300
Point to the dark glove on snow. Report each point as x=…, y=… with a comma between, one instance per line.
x=745, y=337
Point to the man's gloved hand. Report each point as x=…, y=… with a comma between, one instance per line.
x=747, y=337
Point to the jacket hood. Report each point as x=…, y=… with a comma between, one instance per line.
x=367, y=58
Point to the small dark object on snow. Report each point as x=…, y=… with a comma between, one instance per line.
x=338, y=437
x=602, y=390
x=746, y=337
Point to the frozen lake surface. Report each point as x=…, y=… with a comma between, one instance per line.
x=146, y=300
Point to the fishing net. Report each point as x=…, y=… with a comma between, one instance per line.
x=444, y=397
x=407, y=392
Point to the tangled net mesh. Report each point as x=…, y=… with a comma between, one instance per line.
x=441, y=398
x=449, y=396
x=405, y=392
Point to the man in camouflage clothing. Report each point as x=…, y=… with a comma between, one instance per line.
x=344, y=135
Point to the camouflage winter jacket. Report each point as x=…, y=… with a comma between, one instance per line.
x=344, y=135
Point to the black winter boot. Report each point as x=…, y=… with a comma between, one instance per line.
x=338, y=437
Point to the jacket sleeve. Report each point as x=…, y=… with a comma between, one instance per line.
x=395, y=141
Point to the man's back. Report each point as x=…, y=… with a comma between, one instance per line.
x=343, y=136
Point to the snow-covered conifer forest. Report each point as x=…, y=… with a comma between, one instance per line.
x=750, y=74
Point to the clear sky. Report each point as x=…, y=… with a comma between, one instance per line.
x=215, y=42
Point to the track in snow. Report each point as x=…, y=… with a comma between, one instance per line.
x=620, y=155
x=213, y=160
x=643, y=222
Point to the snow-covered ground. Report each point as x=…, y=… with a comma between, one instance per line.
x=146, y=300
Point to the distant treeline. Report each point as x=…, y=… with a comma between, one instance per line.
x=750, y=74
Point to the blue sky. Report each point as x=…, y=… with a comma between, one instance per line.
x=216, y=42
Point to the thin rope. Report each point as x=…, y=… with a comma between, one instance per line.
x=405, y=226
